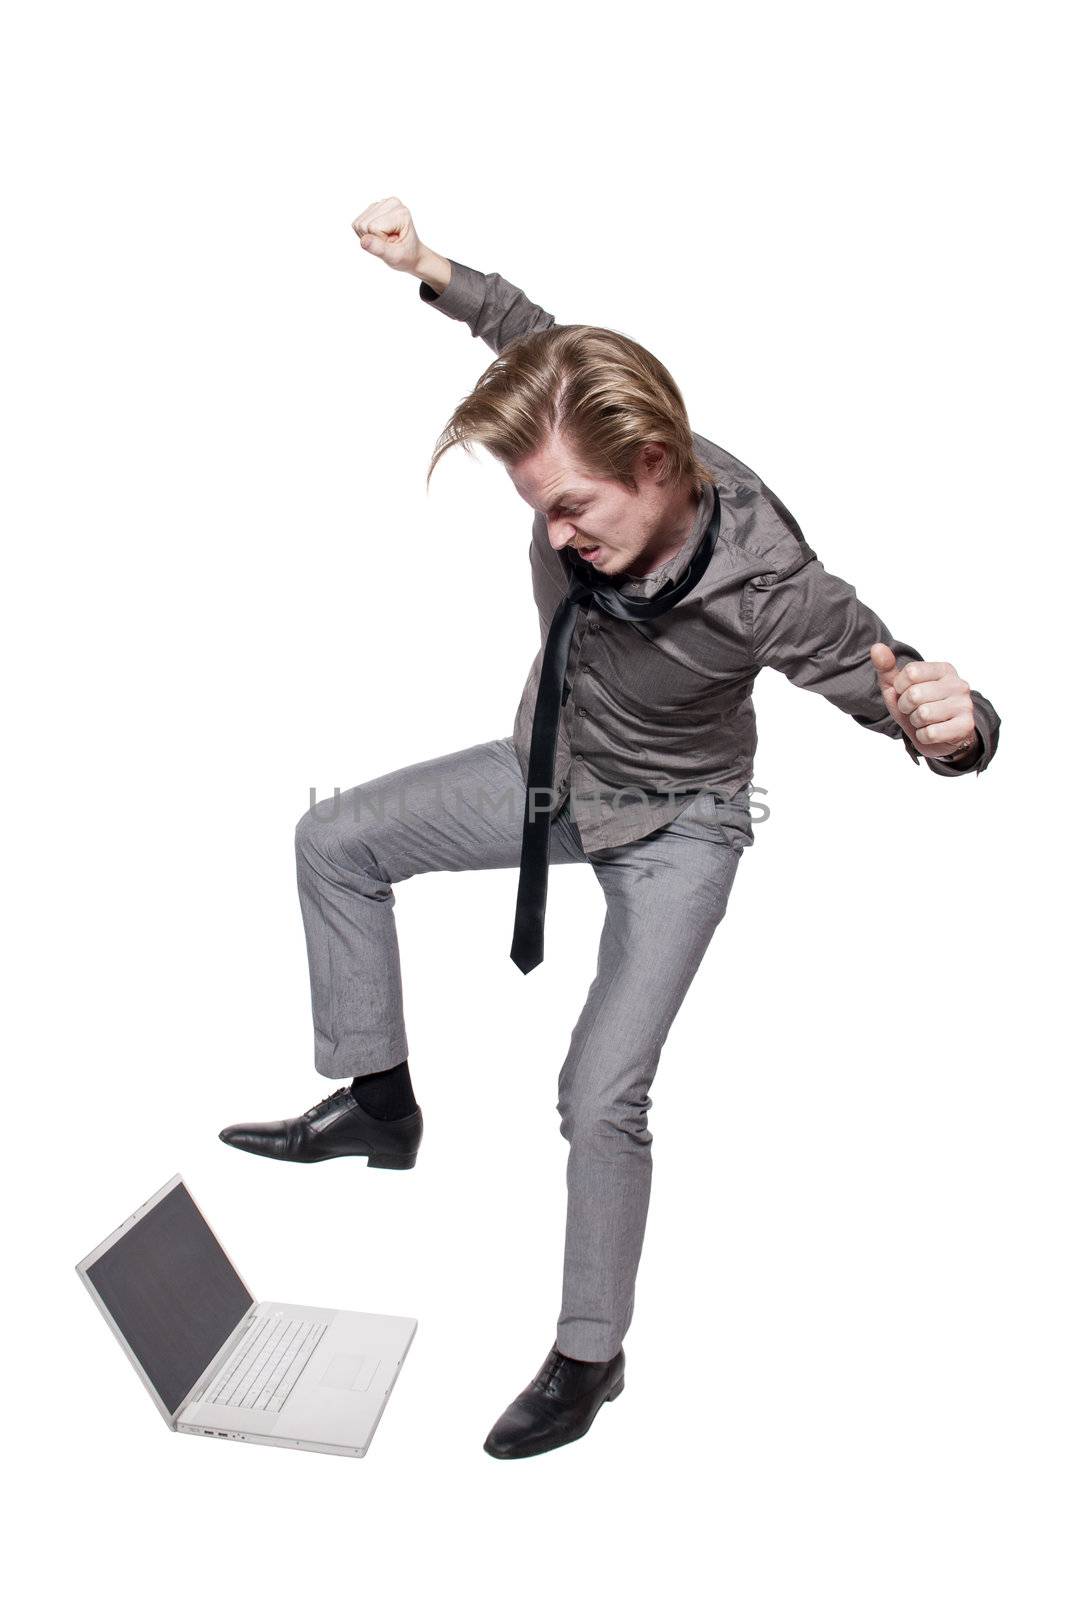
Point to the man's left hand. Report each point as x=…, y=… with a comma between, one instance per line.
x=931, y=703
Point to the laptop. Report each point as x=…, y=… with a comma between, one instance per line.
x=222, y=1365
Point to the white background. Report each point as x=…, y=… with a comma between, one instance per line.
x=225, y=582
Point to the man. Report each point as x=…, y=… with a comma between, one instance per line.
x=666, y=575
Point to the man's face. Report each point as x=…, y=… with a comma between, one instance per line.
x=608, y=525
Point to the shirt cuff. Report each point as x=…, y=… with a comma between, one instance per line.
x=463, y=297
x=946, y=766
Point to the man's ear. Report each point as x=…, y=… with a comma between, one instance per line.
x=651, y=462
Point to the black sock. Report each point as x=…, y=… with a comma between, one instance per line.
x=386, y=1094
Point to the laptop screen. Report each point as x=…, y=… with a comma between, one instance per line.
x=172, y=1292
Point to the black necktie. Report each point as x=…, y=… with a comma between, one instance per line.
x=585, y=588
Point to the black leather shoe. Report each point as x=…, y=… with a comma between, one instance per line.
x=337, y=1126
x=558, y=1406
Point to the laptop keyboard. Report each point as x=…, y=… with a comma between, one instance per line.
x=267, y=1364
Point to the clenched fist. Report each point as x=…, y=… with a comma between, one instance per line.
x=931, y=703
x=385, y=229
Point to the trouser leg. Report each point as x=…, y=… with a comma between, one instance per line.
x=665, y=895
x=456, y=812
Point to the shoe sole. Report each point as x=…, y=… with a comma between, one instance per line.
x=403, y=1161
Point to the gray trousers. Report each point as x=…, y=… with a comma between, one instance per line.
x=665, y=895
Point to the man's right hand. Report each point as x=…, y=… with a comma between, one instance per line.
x=385, y=229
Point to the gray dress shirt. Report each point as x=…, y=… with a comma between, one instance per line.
x=660, y=710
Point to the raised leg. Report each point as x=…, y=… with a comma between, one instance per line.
x=454, y=813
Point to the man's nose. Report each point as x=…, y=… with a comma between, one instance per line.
x=560, y=534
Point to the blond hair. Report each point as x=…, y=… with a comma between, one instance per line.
x=603, y=393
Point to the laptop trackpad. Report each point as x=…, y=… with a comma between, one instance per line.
x=350, y=1371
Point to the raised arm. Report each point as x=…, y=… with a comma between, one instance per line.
x=492, y=308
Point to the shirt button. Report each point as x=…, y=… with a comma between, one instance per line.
x=594, y=627
x=580, y=711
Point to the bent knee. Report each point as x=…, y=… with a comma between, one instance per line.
x=330, y=834
x=315, y=825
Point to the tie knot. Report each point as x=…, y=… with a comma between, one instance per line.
x=580, y=589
